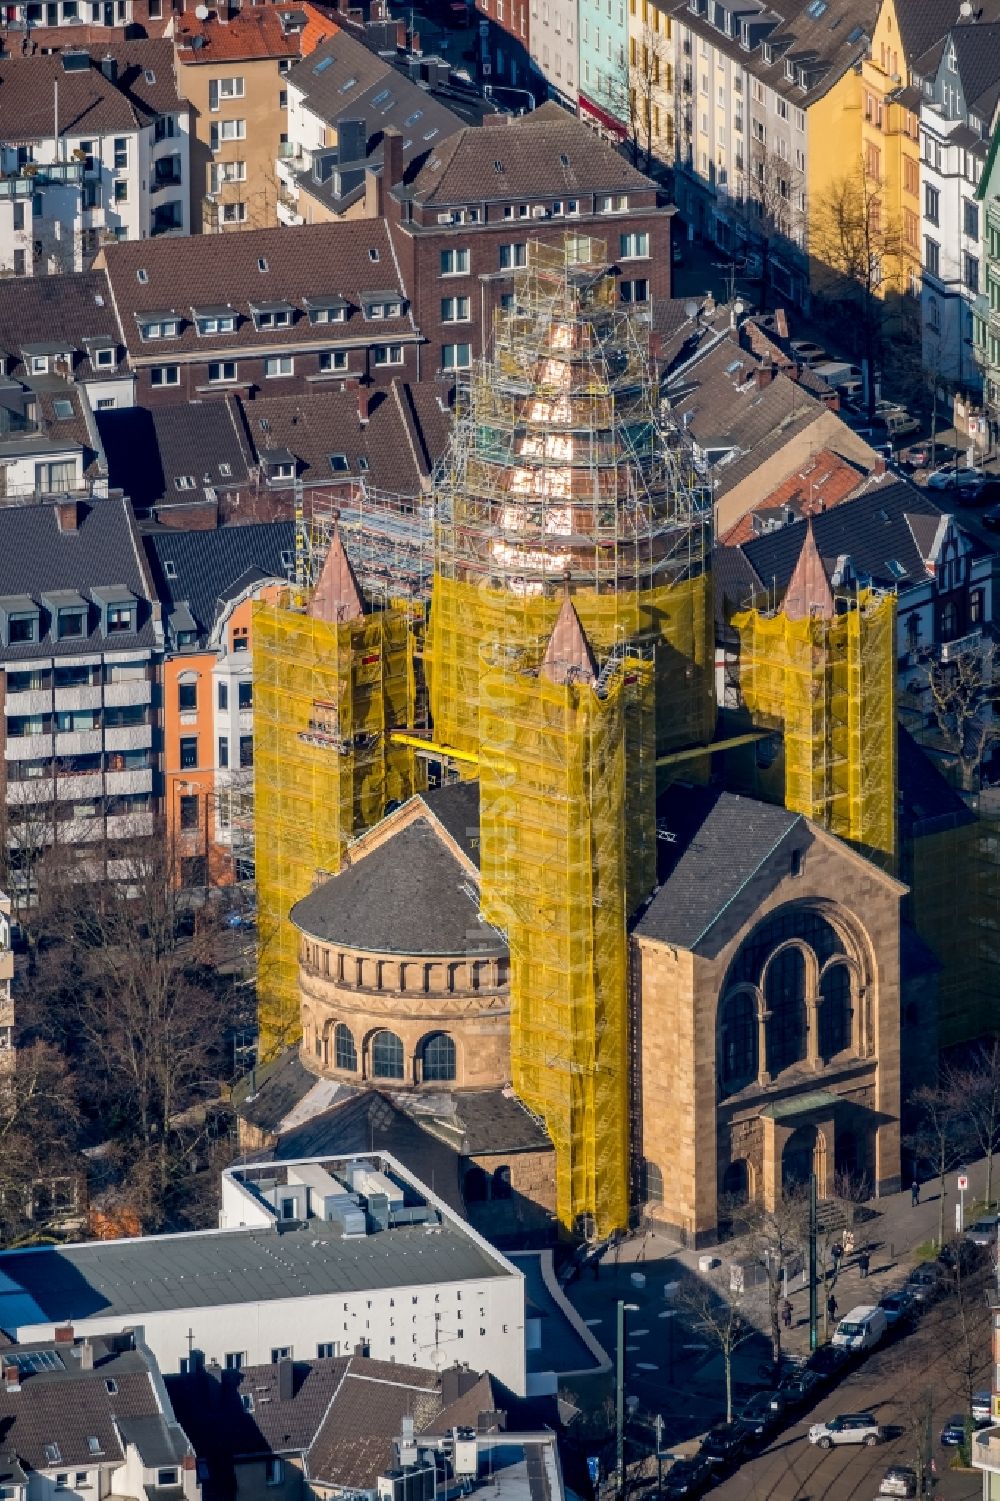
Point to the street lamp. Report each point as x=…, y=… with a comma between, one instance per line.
x=623, y=1308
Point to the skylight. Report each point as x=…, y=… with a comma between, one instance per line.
x=338, y=463
x=323, y=64
x=169, y=569
x=62, y=408
x=142, y=275
x=855, y=35
x=896, y=568
x=816, y=8
x=52, y=1454
x=382, y=96
x=412, y=119
x=347, y=86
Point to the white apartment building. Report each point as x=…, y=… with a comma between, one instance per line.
x=319, y=1257
x=555, y=47
x=6, y=983
x=957, y=115
x=95, y=148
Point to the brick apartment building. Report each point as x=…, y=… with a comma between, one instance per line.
x=461, y=228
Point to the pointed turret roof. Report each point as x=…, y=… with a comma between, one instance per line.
x=568, y=657
x=809, y=593
x=337, y=597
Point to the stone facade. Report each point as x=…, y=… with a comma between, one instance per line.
x=830, y=1105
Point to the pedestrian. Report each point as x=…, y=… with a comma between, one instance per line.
x=831, y=1307
x=837, y=1252
x=864, y=1262
x=848, y=1242
x=915, y=1193
x=786, y=1314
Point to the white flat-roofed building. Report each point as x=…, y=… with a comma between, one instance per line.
x=410, y=1282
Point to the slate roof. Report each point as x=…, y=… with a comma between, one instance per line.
x=409, y=895
x=977, y=59
x=314, y=260
x=68, y=1406
x=37, y=558
x=720, y=842
x=343, y=1417
x=210, y=567
x=873, y=530
x=832, y=42
x=89, y=103
x=150, y=449
x=68, y=309
x=456, y=806
x=265, y=1096
x=386, y=451
x=734, y=582
x=922, y=22
x=545, y=152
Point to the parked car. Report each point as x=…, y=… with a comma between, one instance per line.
x=924, y=1283
x=953, y=1432
x=849, y=1428
x=961, y=478
x=724, y=1445
x=900, y=422
x=899, y=1480
x=861, y=1329
x=763, y=1414
x=687, y=1477
x=963, y=1254
x=897, y=1306
x=800, y=1388
x=808, y=353
x=982, y=1408
x=983, y=1232
x=829, y=1361
x=918, y=455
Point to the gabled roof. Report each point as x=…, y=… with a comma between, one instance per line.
x=202, y=569
x=408, y=895
x=90, y=103
x=720, y=842
x=250, y=35
x=337, y=596
x=38, y=559
x=456, y=808
x=825, y=480
x=387, y=450
x=265, y=265
x=873, y=530
x=544, y=152
x=174, y=454
x=69, y=310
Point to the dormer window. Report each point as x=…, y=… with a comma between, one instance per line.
x=71, y=624
x=214, y=320
x=103, y=359
x=121, y=619
x=387, y=309
x=19, y=620
x=326, y=309
x=273, y=315
x=159, y=325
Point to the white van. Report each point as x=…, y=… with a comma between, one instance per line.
x=861, y=1329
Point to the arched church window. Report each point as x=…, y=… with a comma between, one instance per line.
x=835, y=1011
x=344, y=1052
x=785, y=993
x=738, y=1040
x=387, y=1056
x=439, y=1057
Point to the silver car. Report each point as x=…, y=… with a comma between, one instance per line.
x=848, y=1428
x=984, y=1231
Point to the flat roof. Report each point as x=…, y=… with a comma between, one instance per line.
x=127, y=1278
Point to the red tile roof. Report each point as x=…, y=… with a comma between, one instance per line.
x=824, y=481
x=250, y=36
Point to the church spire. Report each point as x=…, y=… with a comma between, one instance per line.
x=568, y=657
x=337, y=597
x=809, y=594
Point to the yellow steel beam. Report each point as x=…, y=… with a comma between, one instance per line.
x=433, y=747
x=716, y=745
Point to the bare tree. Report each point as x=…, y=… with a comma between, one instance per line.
x=771, y=204
x=650, y=88
x=962, y=691
x=939, y=1139
x=770, y=1239
x=859, y=248
x=975, y=1092
x=716, y=1306
x=969, y=1321
x=39, y=1121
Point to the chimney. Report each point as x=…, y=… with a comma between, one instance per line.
x=109, y=67
x=878, y=467
x=392, y=159
x=86, y=1356
x=64, y=1334
x=286, y=1380
x=68, y=519
x=765, y=375
x=363, y=398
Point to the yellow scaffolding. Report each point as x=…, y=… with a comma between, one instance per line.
x=325, y=698
x=552, y=810
x=830, y=687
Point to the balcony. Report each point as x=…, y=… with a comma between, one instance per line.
x=78, y=742
x=129, y=825
x=986, y=1450
x=33, y=701
x=83, y=696
x=138, y=780
x=28, y=748
x=74, y=784
x=127, y=694
x=129, y=737
x=30, y=792
x=34, y=175
x=964, y=646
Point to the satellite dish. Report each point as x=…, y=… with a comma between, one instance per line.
x=965, y=10
x=201, y=12
x=691, y=308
